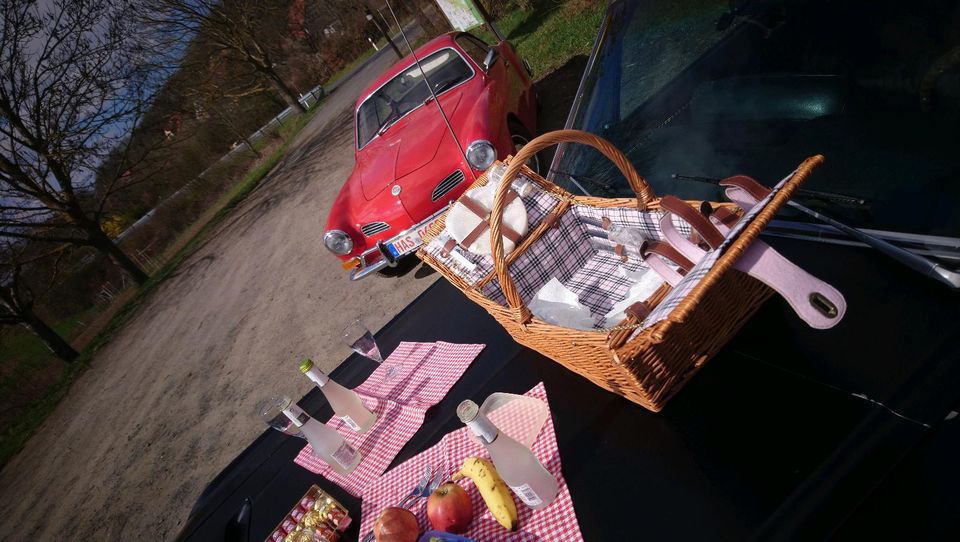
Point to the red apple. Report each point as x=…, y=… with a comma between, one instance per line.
x=396, y=525
x=449, y=508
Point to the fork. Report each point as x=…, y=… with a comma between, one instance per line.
x=438, y=478
x=422, y=485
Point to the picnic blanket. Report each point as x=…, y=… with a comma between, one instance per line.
x=556, y=523
x=423, y=373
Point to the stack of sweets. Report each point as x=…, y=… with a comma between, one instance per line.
x=318, y=517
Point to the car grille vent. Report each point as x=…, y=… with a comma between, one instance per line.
x=374, y=228
x=447, y=185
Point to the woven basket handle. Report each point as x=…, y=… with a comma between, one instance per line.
x=640, y=187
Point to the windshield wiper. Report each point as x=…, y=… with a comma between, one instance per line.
x=830, y=197
x=916, y=262
x=386, y=125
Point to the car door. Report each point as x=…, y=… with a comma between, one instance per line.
x=496, y=82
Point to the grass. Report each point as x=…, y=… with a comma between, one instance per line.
x=14, y=438
x=551, y=34
x=25, y=347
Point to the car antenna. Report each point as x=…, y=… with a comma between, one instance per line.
x=432, y=93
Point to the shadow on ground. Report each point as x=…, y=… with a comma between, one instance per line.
x=533, y=19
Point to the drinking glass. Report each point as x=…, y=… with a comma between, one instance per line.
x=360, y=340
x=270, y=410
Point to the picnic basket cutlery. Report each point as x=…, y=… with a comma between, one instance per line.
x=664, y=339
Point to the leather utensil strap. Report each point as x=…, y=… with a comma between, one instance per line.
x=699, y=223
x=618, y=249
x=447, y=247
x=817, y=303
x=725, y=217
x=744, y=191
x=657, y=255
x=748, y=184
x=666, y=251
x=638, y=310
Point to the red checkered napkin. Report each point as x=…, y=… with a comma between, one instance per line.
x=557, y=522
x=426, y=372
x=395, y=425
x=423, y=372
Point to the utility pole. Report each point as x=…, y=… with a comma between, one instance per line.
x=383, y=31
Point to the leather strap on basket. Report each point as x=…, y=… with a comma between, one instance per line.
x=817, y=303
x=744, y=191
x=724, y=216
x=756, y=190
x=474, y=207
x=700, y=224
x=750, y=232
x=618, y=249
x=657, y=255
x=644, y=197
x=638, y=310
x=447, y=248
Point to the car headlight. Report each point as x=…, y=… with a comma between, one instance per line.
x=481, y=154
x=337, y=242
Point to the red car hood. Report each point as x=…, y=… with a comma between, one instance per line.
x=407, y=146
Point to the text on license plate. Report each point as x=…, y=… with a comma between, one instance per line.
x=410, y=242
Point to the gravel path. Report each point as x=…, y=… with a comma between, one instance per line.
x=169, y=402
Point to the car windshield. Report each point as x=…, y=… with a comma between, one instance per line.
x=712, y=88
x=408, y=91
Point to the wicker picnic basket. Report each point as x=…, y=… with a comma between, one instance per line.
x=646, y=360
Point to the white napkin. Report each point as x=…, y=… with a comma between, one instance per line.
x=556, y=304
x=645, y=282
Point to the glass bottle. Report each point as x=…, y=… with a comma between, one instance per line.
x=327, y=443
x=515, y=463
x=345, y=402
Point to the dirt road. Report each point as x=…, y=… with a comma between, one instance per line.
x=169, y=402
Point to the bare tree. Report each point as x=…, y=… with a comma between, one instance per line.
x=17, y=300
x=238, y=29
x=434, y=23
x=225, y=97
x=73, y=85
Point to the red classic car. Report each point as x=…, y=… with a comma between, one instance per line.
x=408, y=165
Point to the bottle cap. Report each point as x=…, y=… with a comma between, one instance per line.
x=306, y=365
x=467, y=411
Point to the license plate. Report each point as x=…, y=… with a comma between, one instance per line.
x=410, y=242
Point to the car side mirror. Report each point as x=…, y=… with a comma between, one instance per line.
x=490, y=59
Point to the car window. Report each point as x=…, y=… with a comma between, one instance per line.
x=474, y=47
x=714, y=88
x=408, y=91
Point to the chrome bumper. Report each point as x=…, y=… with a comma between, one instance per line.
x=364, y=269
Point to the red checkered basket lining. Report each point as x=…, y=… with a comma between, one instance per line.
x=556, y=523
x=425, y=372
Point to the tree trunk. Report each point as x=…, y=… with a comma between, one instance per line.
x=285, y=91
x=54, y=341
x=104, y=244
x=430, y=26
